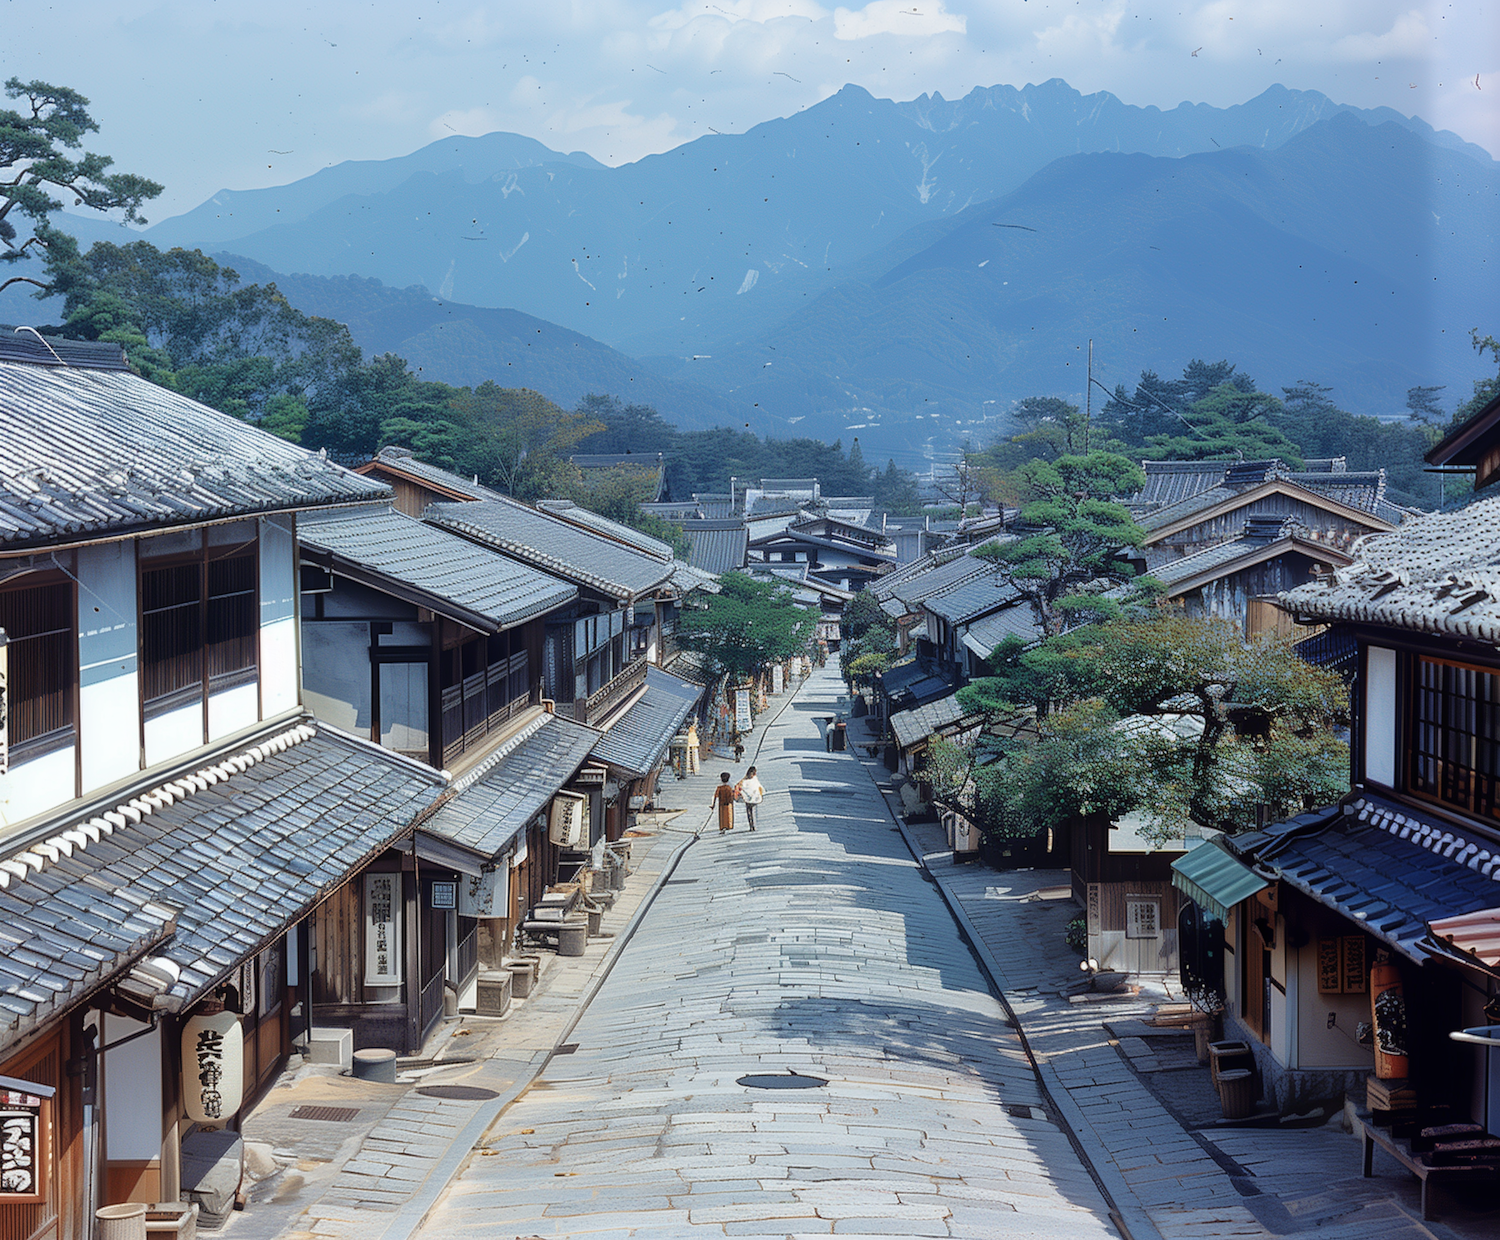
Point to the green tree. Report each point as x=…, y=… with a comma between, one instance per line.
x=747, y=625
x=868, y=644
x=1073, y=530
x=35, y=166
x=1228, y=422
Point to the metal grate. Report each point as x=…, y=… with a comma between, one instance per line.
x=567, y=1048
x=334, y=1115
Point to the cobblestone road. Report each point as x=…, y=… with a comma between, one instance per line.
x=812, y=947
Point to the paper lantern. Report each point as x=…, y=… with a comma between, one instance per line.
x=213, y=1067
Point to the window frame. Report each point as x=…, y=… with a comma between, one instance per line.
x=38, y=744
x=1426, y=742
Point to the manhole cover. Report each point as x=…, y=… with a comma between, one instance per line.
x=780, y=1080
x=461, y=1093
x=336, y=1115
x=567, y=1048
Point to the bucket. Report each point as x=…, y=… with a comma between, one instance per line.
x=126, y=1221
x=1223, y=1056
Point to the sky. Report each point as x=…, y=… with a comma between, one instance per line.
x=202, y=96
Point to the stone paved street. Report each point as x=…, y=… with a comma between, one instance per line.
x=815, y=947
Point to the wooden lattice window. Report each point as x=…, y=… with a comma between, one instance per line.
x=1453, y=747
x=40, y=621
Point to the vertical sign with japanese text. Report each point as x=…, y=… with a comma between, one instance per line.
x=25, y=1133
x=383, y=929
x=742, y=710
x=213, y=1067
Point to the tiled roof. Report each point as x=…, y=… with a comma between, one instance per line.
x=887, y=586
x=715, y=505
x=970, y=597
x=685, y=577
x=984, y=634
x=495, y=801
x=25, y=344
x=554, y=545
x=1435, y=574
x=404, y=461
x=1169, y=514
x=615, y=460
x=1167, y=482
x=900, y=676
x=466, y=582
x=637, y=740
x=1363, y=489
x=238, y=850
x=860, y=550
x=912, y=727
x=1382, y=865
x=774, y=506
x=88, y=451
x=783, y=486
x=942, y=577
x=1227, y=557
x=586, y=517
x=717, y=546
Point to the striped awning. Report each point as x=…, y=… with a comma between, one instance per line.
x=1471, y=934
x=1214, y=880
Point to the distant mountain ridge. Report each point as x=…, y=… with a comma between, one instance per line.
x=722, y=236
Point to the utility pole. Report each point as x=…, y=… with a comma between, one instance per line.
x=1088, y=401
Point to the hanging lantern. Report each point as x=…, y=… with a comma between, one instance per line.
x=213, y=1067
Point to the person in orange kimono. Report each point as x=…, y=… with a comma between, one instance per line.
x=724, y=798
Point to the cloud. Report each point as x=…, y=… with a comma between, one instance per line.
x=735, y=11
x=906, y=18
x=1407, y=37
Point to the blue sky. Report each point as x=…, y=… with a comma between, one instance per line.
x=203, y=96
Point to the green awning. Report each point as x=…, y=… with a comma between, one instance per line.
x=1214, y=879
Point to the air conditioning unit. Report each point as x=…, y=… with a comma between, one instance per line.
x=565, y=824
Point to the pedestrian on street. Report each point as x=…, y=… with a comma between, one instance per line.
x=750, y=792
x=724, y=798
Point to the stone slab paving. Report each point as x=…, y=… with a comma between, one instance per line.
x=814, y=948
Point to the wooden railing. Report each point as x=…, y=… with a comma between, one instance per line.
x=604, y=699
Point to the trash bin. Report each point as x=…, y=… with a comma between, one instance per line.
x=1225, y=1055
x=1237, y=1092
x=126, y=1221
x=839, y=737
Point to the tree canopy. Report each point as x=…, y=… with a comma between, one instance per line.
x=748, y=625
x=35, y=166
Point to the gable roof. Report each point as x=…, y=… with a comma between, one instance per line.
x=1225, y=498
x=554, y=545
x=404, y=463
x=717, y=546
x=1193, y=571
x=1017, y=620
x=886, y=587
x=1167, y=482
x=426, y=565
x=1435, y=574
x=636, y=741
x=972, y=596
x=913, y=726
x=89, y=450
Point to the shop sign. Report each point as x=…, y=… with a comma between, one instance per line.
x=1341, y=965
x=444, y=895
x=25, y=1141
x=383, y=929
x=213, y=1067
x=1142, y=918
x=742, y=709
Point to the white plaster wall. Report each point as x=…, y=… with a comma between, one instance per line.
x=1318, y=1044
x=174, y=733
x=132, y=1092
x=278, y=617
x=232, y=710
x=36, y=786
x=109, y=692
x=1380, y=716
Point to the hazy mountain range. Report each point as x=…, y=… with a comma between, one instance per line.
x=864, y=262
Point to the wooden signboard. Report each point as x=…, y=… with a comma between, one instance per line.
x=1341, y=965
x=1330, y=967
x=25, y=1143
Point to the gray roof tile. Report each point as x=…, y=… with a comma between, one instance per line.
x=86, y=451
x=590, y=520
x=231, y=892
x=453, y=573
x=984, y=634
x=405, y=461
x=912, y=727
x=496, y=802
x=1435, y=574
x=717, y=546
x=554, y=545
x=637, y=740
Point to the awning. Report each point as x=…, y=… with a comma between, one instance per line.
x=1471, y=934
x=440, y=852
x=1215, y=880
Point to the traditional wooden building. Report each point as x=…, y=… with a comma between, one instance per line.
x=170, y=816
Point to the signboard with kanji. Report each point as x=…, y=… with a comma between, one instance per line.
x=383, y=929
x=25, y=1142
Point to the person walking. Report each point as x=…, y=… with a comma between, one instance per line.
x=750, y=792
x=724, y=798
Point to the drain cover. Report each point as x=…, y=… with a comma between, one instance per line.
x=567, y=1048
x=781, y=1080
x=462, y=1093
x=336, y=1115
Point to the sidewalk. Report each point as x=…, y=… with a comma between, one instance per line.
x=380, y=1156
x=1168, y=1178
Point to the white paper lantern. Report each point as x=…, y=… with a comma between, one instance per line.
x=213, y=1067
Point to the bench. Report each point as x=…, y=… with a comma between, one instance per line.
x=544, y=919
x=1430, y=1168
